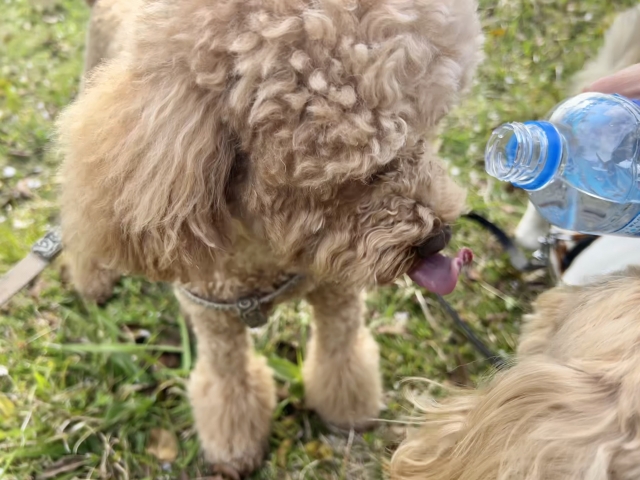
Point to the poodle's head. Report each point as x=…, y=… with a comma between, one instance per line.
x=365, y=228
x=306, y=122
x=569, y=409
x=332, y=105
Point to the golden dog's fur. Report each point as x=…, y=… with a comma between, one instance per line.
x=227, y=144
x=568, y=410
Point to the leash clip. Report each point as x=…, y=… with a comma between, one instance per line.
x=250, y=312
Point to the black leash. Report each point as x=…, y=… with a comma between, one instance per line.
x=577, y=250
x=496, y=360
x=519, y=261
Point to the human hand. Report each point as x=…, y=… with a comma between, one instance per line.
x=625, y=82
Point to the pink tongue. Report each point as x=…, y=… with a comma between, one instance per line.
x=439, y=274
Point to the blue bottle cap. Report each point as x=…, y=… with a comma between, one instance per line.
x=554, y=156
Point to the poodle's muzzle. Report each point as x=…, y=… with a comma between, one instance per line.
x=435, y=243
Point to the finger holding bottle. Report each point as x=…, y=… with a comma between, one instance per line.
x=625, y=82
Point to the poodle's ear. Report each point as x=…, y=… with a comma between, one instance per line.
x=146, y=162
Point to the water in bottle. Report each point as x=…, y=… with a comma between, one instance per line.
x=581, y=166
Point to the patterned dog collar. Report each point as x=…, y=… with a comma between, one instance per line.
x=247, y=308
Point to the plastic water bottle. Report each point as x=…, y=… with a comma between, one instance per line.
x=581, y=166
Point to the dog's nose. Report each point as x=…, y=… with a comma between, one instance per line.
x=435, y=242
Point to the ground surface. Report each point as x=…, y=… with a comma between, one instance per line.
x=110, y=407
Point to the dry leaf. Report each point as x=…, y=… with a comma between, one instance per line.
x=282, y=452
x=460, y=375
x=283, y=392
x=223, y=472
x=473, y=274
x=396, y=433
x=23, y=190
x=399, y=327
x=318, y=450
x=163, y=445
x=170, y=360
x=395, y=329
x=45, y=4
x=36, y=289
x=6, y=407
x=64, y=465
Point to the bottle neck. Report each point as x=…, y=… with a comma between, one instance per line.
x=525, y=154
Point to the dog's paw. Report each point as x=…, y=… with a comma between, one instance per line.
x=345, y=389
x=233, y=414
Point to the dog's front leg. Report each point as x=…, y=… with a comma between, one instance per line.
x=341, y=371
x=232, y=390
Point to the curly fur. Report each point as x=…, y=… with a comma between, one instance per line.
x=307, y=120
x=225, y=144
x=569, y=409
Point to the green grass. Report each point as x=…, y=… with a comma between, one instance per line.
x=79, y=397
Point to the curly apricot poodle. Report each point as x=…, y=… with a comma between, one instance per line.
x=233, y=146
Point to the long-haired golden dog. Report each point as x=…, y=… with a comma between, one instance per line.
x=568, y=410
x=229, y=146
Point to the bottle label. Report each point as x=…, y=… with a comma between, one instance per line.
x=631, y=229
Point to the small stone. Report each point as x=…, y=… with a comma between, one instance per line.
x=8, y=172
